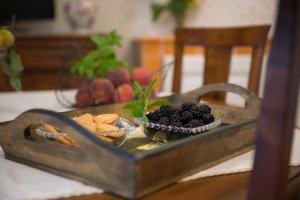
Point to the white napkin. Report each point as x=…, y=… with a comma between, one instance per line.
x=22, y=182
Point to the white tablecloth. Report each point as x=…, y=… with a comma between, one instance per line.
x=22, y=182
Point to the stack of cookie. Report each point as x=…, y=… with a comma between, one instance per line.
x=102, y=126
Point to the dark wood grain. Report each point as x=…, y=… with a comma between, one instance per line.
x=214, y=70
x=218, y=43
x=47, y=60
x=275, y=127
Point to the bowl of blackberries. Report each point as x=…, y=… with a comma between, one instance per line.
x=170, y=123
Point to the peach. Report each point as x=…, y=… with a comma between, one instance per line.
x=142, y=75
x=84, y=98
x=119, y=76
x=85, y=85
x=102, y=91
x=123, y=93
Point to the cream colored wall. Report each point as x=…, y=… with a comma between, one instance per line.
x=132, y=18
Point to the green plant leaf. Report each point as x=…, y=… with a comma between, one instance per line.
x=130, y=105
x=98, y=62
x=134, y=94
x=135, y=108
x=15, y=82
x=107, y=53
x=144, y=117
x=16, y=63
x=149, y=88
x=13, y=67
x=157, y=10
x=115, y=39
x=137, y=87
x=99, y=40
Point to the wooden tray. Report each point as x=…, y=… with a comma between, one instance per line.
x=124, y=173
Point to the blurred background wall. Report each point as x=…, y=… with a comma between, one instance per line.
x=132, y=18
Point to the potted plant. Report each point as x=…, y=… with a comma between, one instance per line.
x=177, y=8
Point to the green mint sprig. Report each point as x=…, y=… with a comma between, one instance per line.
x=141, y=106
x=98, y=62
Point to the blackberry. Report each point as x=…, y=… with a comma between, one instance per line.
x=166, y=111
x=175, y=118
x=154, y=116
x=195, y=123
x=186, y=125
x=204, y=109
x=164, y=121
x=188, y=106
x=186, y=116
x=176, y=123
x=195, y=113
x=208, y=118
x=176, y=110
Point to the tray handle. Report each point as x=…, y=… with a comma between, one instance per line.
x=13, y=131
x=252, y=100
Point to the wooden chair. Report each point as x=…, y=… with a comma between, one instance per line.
x=218, y=43
x=269, y=180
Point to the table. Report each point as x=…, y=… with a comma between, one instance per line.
x=231, y=186
x=226, y=187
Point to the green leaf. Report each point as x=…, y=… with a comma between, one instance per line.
x=144, y=117
x=6, y=67
x=177, y=7
x=135, y=94
x=159, y=103
x=115, y=39
x=107, y=53
x=99, y=40
x=130, y=105
x=149, y=88
x=16, y=63
x=135, y=108
x=157, y=10
x=13, y=67
x=137, y=87
x=15, y=82
x=98, y=62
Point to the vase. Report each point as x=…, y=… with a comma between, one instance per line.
x=80, y=14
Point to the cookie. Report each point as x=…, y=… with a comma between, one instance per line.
x=91, y=126
x=106, y=118
x=85, y=118
x=106, y=139
x=109, y=130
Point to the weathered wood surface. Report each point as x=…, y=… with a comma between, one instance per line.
x=123, y=173
x=219, y=43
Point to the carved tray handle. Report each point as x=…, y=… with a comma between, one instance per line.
x=252, y=100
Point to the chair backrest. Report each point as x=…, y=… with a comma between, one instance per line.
x=219, y=43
